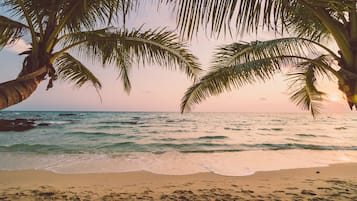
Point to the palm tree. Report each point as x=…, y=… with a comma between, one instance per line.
x=57, y=28
x=310, y=23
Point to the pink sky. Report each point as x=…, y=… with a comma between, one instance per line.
x=155, y=88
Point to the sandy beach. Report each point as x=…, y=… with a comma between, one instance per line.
x=336, y=182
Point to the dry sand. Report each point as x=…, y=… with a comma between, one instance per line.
x=337, y=182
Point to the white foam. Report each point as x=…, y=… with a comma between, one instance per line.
x=57, y=122
x=173, y=163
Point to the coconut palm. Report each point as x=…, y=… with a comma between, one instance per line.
x=310, y=23
x=56, y=29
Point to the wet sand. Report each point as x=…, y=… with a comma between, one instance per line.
x=337, y=182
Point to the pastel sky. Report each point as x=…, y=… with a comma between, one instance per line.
x=155, y=88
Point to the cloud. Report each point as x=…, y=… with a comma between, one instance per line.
x=18, y=47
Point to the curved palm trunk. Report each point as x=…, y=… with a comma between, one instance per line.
x=17, y=90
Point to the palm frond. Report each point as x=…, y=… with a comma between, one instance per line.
x=218, y=80
x=160, y=47
x=67, y=16
x=219, y=15
x=304, y=24
x=239, y=64
x=86, y=14
x=10, y=30
x=124, y=64
x=80, y=14
x=243, y=52
x=148, y=47
x=69, y=68
x=304, y=93
x=249, y=16
x=125, y=7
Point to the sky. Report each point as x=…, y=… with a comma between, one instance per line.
x=155, y=88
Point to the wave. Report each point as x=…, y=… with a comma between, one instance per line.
x=108, y=122
x=106, y=127
x=267, y=146
x=121, y=146
x=118, y=144
x=36, y=148
x=179, y=120
x=129, y=122
x=311, y=135
x=341, y=128
x=218, y=137
x=67, y=114
x=146, y=126
x=212, y=151
x=167, y=139
x=271, y=129
x=293, y=139
x=181, y=131
x=306, y=135
x=119, y=122
x=56, y=122
x=102, y=134
x=128, y=146
x=233, y=129
x=161, y=147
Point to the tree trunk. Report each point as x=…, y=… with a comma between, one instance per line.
x=15, y=91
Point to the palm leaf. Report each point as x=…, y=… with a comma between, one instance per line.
x=10, y=30
x=124, y=7
x=304, y=24
x=248, y=16
x=76, y=15
x=122, y=47
x=304, y=92
x=124, y=64
x=243, y=52
x=69, y=68
x=239, y=64
x=160, y=47
x=220, y=15
x=223, y=79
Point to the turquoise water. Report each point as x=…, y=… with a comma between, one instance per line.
x=144, y=141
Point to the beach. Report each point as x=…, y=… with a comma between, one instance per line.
x=169, y=156
x=290, y=137
x=336, y=182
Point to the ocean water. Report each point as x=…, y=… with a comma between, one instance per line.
x=177, y=144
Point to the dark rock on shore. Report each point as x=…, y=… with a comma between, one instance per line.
x=16, y=124
x=19, y=124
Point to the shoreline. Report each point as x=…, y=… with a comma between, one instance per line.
x=173, y=163
x=338, y=181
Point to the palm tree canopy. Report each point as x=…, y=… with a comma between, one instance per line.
x=246, y=16
x=57, y=29
x=309, y=22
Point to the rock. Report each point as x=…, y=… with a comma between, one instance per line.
x=307, y=192
x=164, y=197
x=46, y=194
x=16, y=124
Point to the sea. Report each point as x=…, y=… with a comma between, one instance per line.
x=232, y=144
